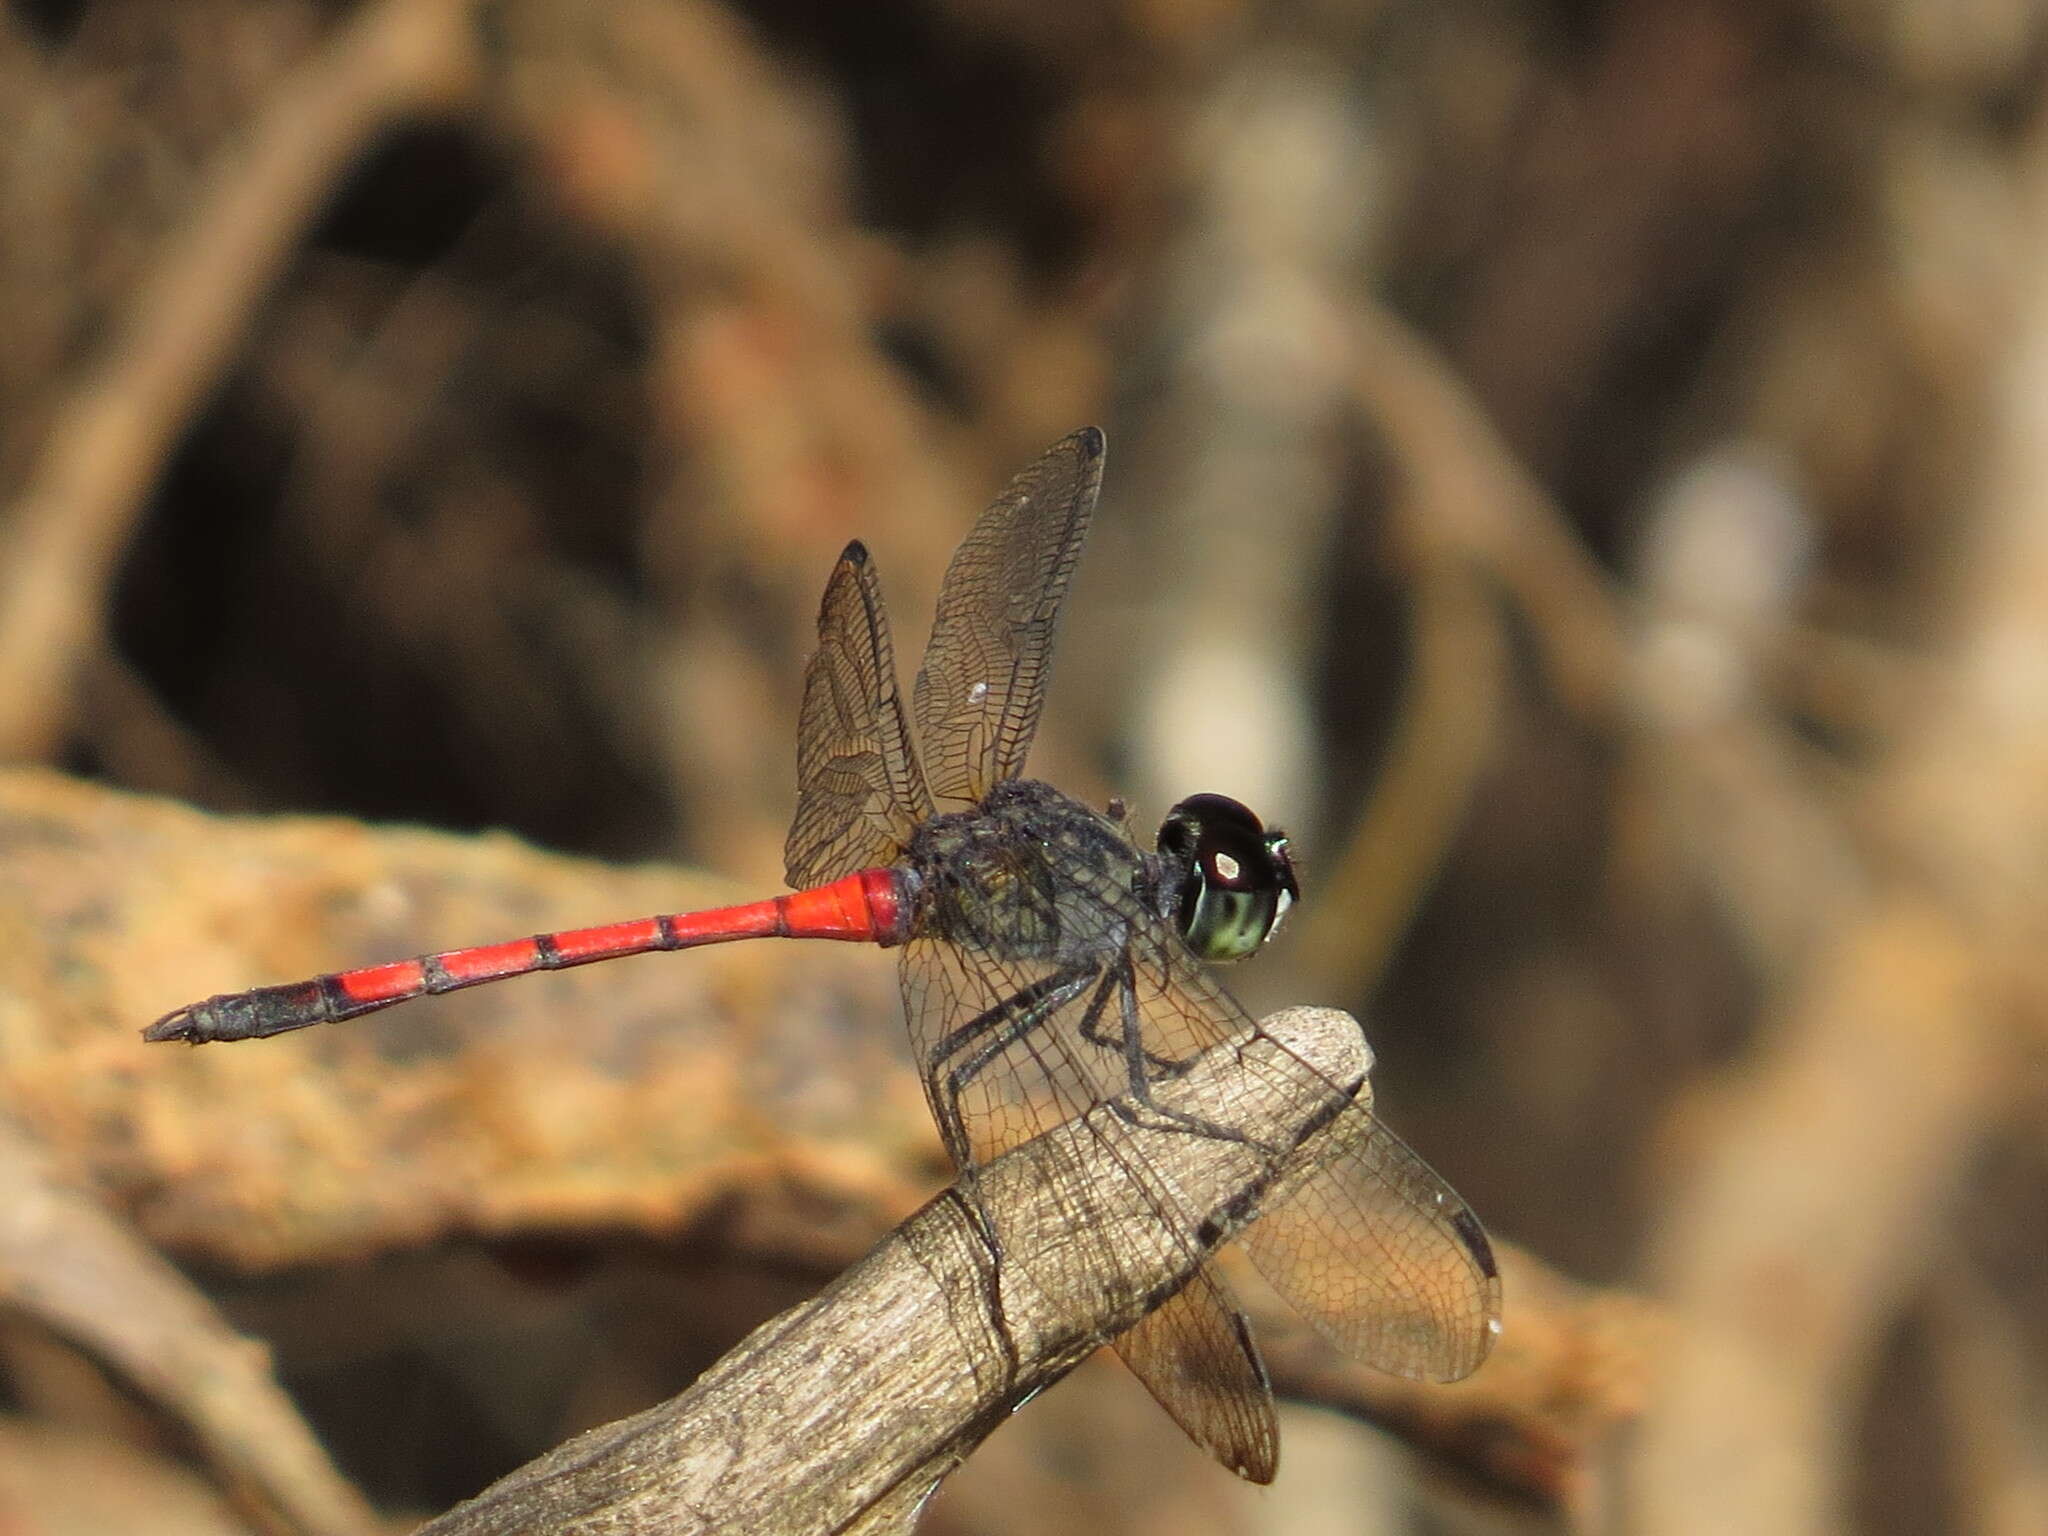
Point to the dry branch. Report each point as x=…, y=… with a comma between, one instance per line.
x=844, y=1412
x=72, y=1266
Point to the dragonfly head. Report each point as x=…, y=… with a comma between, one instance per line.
x=1236, y=877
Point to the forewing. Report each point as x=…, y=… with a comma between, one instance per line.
x=859, y=791
x=1024, y=1031
x=983, y=680
x=1381, y=1255
x=1373, y=1248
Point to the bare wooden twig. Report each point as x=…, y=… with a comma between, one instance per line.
x=843, y=1413
x=107, y=443
x=74, y=1267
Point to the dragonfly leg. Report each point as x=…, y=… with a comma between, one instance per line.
x=986, y=1036
x=1137, y=1060
x=1032, y=999
x=1092, y=1031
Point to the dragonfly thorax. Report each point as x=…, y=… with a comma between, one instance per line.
x=1030, y=873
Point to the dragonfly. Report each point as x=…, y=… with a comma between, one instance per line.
x=1048, y=964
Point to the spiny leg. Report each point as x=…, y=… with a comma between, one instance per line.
x=990, y=1033
x=1091, y=1031
x=1137, y=1058
x=986, y=1036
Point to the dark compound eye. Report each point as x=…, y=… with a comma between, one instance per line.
x=1236, y=878
x=1177, y=835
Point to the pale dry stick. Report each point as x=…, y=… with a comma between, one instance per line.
x=73, y=1267
x=107, y=442
x=842, y=1414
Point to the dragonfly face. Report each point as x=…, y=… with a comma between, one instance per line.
x=1236, y=878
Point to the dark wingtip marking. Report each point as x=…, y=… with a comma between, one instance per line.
x=1090, y=441
x=855, y=553
x=1475, y=1240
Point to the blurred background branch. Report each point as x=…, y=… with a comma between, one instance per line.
x=105, y=445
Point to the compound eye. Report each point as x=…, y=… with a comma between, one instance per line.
x=1236, y=878
x=1177, y=836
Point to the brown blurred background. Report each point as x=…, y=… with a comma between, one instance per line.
x=1576, y=466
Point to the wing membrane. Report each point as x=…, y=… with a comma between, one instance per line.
x=983, y=680
x=991, y=1037
x=1373, y=1247
x=859, y=791
x=1195, y=1355
x=1382, y=1257
x=1001, y=1040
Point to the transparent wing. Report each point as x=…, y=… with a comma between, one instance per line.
x=983, y=680
x=1035, y=962
x=1041, y=983
x=999, y=1038
x=991, y=1039
x=1383, y=1257
x=1195, y=1355
x=1373, y=1248
x=859, y=791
